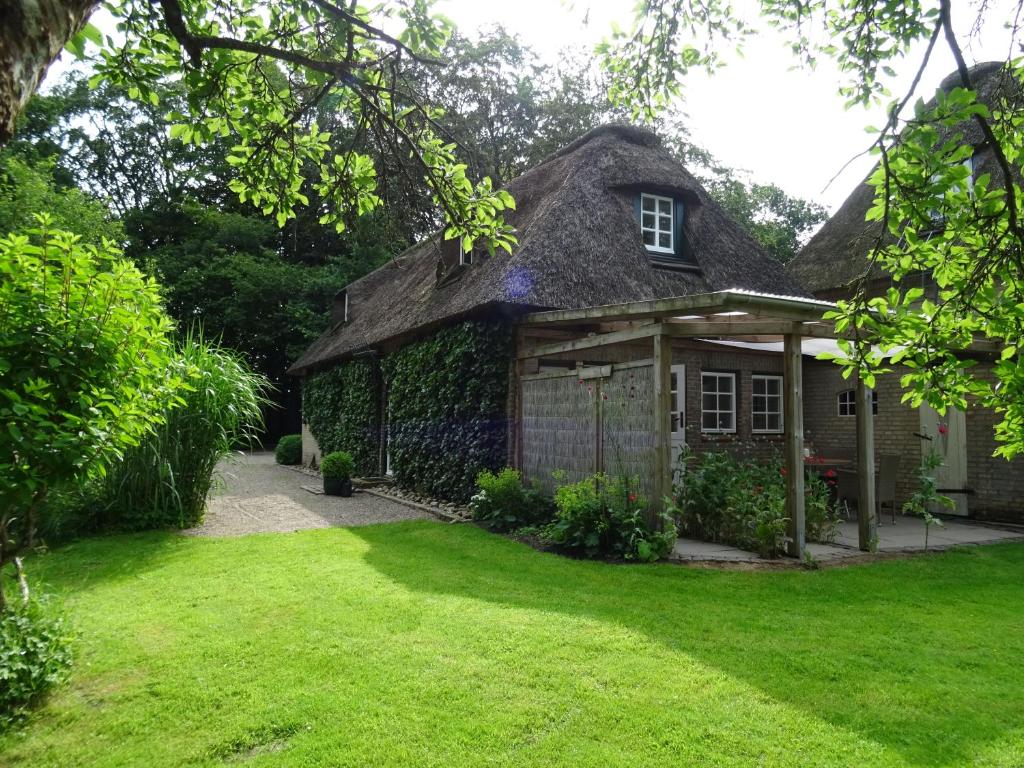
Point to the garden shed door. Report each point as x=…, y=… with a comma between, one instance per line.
x=678, y=400
x=948, y=435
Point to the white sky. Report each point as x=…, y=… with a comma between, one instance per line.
x=784, y=125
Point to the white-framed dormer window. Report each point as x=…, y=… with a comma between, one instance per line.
x=848, y=402
x=766, y=404
x=717, y=402
x=657, y=221
x=465, y=257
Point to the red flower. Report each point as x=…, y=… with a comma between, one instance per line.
x=604, y=397
x=943, y=429
x=830, y=473
x=632, y=497
x=581, y=381
x=783, y=472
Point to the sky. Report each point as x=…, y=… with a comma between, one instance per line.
x=785, y=126
x=782, y=124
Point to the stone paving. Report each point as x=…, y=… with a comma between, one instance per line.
x=258, y=496
x=906, y=535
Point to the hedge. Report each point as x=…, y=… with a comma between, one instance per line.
x=447, y=396
x=341, y=406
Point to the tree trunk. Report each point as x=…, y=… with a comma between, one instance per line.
x=32, y=34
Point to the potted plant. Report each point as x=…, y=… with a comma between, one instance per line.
x=336, y=470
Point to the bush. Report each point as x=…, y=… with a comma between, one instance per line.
x=502, y=503
x=742, y=502
x=164, y=480
x=289, y=450
x=35, y=655
x=606, y=517
x=337, y=465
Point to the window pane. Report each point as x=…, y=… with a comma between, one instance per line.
x=673, y=385
x=725, y=421
x=760, y=422
x=648, y=220
x=774, y=423
x=664, y=240
x=725, y=402
x=665, y=206
x=760, y=404
x=725, y=384
x=649, y=237
x=665, y=223
x=708, y=421
x=647, y=203
x=709, y=401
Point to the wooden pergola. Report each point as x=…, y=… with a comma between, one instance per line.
x=735, y=315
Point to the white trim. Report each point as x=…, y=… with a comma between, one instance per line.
x=656, y=229
x=780, y=413
x=718, y=430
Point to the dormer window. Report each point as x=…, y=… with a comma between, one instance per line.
x=465, y=257
x=339, y=312
x=657, y=221
x=661, y=227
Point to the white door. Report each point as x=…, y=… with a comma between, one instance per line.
x=948, y=435
x=678, y=400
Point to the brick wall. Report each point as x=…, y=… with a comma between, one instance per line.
x=998, y=484
x=895, y=423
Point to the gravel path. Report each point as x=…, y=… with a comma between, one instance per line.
x=258, y=496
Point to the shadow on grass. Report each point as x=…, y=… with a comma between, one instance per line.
x=918, y=655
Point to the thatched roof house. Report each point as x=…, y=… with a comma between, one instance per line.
x=838, y=254
x=580, y=244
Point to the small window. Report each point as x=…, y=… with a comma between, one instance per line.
x=766, y=404
x=717, y=402
x=848, y=402
x=465, y=257
x=657, y=222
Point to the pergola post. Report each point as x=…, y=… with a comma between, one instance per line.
x=867, y=519
x=794, y=453
x=662, y=420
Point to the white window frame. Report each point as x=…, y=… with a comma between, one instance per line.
x=657, y=230
x=465, y=257
x=851, y=404
x=718, y=375
x=781, y=412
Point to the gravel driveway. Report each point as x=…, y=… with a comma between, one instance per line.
x=258, y=496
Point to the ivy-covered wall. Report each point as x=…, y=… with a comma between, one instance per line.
x=341, y=406
x=446, y=408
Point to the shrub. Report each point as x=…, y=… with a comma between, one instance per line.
x=83, y=369
x=35, y=655
x=602, y=517
x=742, y=502
x=502, y=503
x=337, y=465
x=164, y=480
x=289, y=450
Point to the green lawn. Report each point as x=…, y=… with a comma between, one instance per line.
x=427, y=644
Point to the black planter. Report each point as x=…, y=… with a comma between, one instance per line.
x=338, y=486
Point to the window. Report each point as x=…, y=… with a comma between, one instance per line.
x=717, y=402
x=465, y=257
x=339, y=311
x=657, y=222
x=766, y=404
x=848, y=402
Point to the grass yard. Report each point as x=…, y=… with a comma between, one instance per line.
x=421, y=644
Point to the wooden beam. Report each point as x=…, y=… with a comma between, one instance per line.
x=776, y=307
x=794, y=451
x=867, y=518
x=589, y=342
x=662, y=421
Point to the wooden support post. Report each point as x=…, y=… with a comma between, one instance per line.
x=867, y=519
x=662, y=420
x=794, y=454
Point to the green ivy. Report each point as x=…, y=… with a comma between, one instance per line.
x=341, y=406
x=447, y=396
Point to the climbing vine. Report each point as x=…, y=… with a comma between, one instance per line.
x=447, y=396
x=341, y=406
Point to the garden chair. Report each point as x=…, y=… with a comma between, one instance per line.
x=848, y=486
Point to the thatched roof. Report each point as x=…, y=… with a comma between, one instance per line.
x=579, y=245
x=838, y=254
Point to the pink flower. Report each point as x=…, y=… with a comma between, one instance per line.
x=943, y=429
x=632, y=497
x=581, y=381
